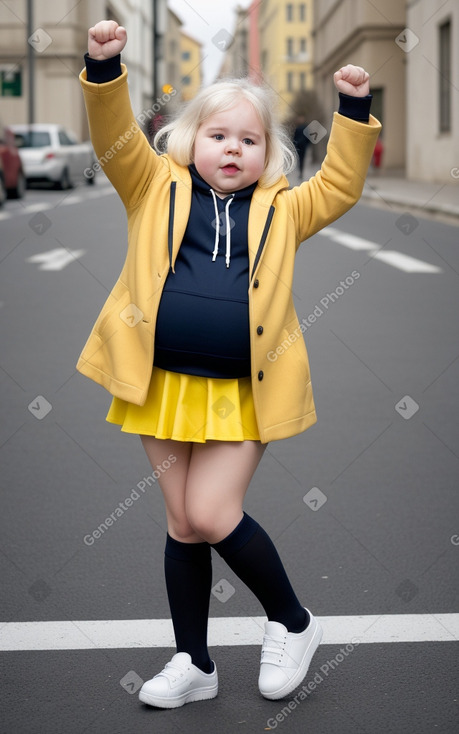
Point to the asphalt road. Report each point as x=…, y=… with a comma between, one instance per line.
x=363, y=507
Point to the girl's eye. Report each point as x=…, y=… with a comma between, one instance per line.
x=248, y=141
x=218, y=136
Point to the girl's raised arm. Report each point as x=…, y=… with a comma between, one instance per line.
x=338, y=185
x=122, y=150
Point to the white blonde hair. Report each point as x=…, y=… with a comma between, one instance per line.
x=177, y=138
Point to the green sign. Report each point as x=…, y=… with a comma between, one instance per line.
x=10, y=83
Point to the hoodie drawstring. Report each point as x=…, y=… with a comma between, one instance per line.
x=217, y=229
x=217, y=226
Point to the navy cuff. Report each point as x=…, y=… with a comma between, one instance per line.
x=357, y=108
x=101, y=71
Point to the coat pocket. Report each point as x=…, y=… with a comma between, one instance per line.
x=115, y=307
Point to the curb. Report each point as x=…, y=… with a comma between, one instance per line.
x=430, y=208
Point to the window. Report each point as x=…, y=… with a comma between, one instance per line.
x=290, y=81
x=302, y=12
x=289, y=48
x=445, y=77
x=303, y=45
x=186, y=55
x=64, y=138
x=289, y=12
x=186, y=81
x=302, y=80
x=32, y=139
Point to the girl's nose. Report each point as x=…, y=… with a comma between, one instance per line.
x=233, y=146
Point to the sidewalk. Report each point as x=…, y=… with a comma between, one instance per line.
x=392, y=188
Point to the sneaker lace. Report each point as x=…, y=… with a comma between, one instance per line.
x=273, y=649
x=172, y=671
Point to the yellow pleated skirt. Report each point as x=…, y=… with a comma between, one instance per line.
x=190, y=408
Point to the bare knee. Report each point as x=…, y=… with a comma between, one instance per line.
x=180, y=529
x=213, y=524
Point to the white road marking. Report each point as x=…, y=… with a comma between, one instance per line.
x=124, y=633
x=405, y=262
x=73, y=199
x=55, y=259
x=29, y=209
x=17, y=211
x=79, y=198
x=348, y=240
x=39, y=207
x=389, y=257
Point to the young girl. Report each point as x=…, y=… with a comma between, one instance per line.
x=185, y=341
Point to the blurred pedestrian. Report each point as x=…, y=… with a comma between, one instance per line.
x=199, y=342
x=301, y=143
x=378, y=154
x=155, y=125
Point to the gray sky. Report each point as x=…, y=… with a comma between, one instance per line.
x=203, y=19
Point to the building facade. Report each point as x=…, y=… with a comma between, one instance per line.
x=172, y=52
x=191, y=66
x=358, y=32
x=432, y=92
x=57, y=43
x=286, y=48
x=236, y=62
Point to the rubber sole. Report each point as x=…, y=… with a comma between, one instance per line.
x=203, y=694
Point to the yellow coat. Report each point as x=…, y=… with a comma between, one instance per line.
x=156, y=191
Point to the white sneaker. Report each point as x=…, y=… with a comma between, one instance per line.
x=286, y=656
x=180, y=682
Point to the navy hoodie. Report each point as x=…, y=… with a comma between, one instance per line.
x=202, y=326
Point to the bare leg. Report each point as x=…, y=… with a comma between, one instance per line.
x=219, y=474
x=218, y=477
x=187, y=559
x=173, y=484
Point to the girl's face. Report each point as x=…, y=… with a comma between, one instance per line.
x=230, y=149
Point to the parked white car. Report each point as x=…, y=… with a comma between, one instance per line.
x=52, y=153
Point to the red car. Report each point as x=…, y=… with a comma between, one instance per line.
x=12, y=179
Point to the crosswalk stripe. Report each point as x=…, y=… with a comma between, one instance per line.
x=127, y=633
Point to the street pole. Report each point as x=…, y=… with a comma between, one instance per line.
x=155, y=50
x=31, y=63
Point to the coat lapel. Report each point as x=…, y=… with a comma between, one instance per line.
x=260, y=214
x=182, y=176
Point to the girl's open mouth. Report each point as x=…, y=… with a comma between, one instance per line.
x=230, y=168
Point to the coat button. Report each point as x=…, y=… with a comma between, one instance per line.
x=256, y=283
x=260, y=375
x=259, y=330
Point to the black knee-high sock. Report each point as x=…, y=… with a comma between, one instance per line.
x=188, y=570
x=251, y=554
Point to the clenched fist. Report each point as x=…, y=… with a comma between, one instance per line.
x=352, y=80
x=106, y=39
